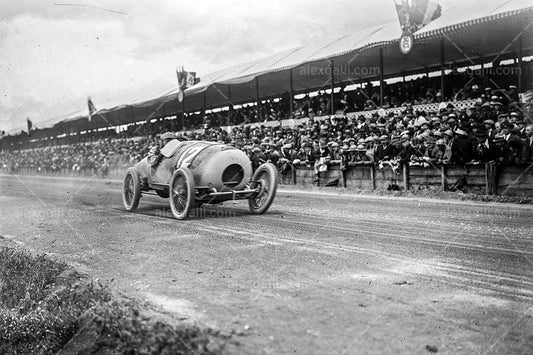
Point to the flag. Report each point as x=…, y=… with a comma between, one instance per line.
x=182, y=82
x=30, y=125
x=191, y=78
x=415, y=14
x=185, y=79
x=402, y=9
x=423, y=12
x=433, y=11
x=92, y=108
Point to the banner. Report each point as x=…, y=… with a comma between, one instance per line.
x=182, y=82
x=185, y=80
x=423, y=12
x=92, y=108
x=30, y=125
x=413, y=15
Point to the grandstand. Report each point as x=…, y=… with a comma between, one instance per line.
x=462, y=37
x=461, y=96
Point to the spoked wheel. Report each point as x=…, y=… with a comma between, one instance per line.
x=181, y=193
x=266, y=179
x=131, y=190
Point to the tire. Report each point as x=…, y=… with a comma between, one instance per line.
x=131, y=190
x=266, y=176
x=182, y=191
x=162, y=193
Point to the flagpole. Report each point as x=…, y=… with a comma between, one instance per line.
x=229, y=106
x=291, y=93
x=258, y=102
x=183, y=114
x=520, y=65
x=332, y=103
x=381, y=74
x=442, y=71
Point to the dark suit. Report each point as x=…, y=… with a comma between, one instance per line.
x=483, y=153
x=383, y=152
x=529, y=149
x=405, y=154
x=462, y=150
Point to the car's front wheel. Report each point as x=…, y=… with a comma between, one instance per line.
x=266, y=180
x=131, y=189
x=182, y=190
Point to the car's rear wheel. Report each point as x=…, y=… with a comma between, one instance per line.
x=131, y=189
x=266, y=179
x=181, y=193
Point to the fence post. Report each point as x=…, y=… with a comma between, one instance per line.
x=444, y=180
x=343, y=175
x=405, y=177
x=373, y=176
x=490, y=178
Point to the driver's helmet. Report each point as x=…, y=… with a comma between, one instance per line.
x=167, y=135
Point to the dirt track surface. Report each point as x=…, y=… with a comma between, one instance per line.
x=318, y=274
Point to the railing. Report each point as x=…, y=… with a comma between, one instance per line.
x=293, y=122
x=485, y=179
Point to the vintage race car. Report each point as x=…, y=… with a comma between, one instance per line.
x=192, y=173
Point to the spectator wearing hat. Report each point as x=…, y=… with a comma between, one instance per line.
x=501, y=149
x=520, y=127
x=350, y=155
x=512, y=94
x=307, y=155
x=518, y=151
x=396, y=145
x=335, y=153
x=384, y=150
x=362, y=125
x=489, y=128
x=438, y=153
x=257, y=157
x=370, y=147
x=407, y=151
x=483, y=151
x=287, y=154
x=361, y=156
x=420, y=154
x=508, y=133
x=461, y=146
x=529, y=143
x=451, y=123
x=475, y=93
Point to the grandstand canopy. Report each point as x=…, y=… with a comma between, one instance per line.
x=471, y=33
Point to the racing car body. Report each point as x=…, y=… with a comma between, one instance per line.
x=191, y=173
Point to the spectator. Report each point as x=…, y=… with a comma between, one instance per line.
x=461, y=146
x=529, y=143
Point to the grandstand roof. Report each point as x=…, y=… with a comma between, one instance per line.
x=471, y=33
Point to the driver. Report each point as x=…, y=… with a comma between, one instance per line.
x=154, y=155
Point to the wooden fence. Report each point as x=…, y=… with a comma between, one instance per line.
x=486, y=179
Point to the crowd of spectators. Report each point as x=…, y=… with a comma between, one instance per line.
x=422, y=90
x=495, y=128
x=85, y=158
x=363, y=97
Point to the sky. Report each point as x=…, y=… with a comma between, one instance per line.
x=54, y=54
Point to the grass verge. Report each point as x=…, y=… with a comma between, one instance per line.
x=48, y=308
